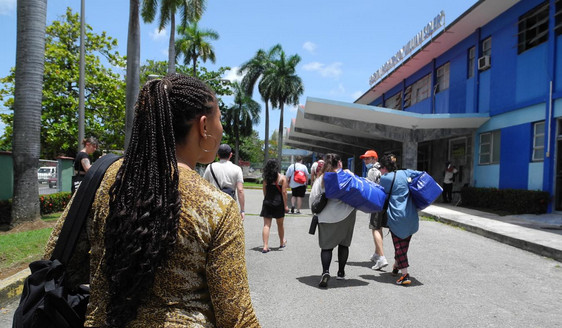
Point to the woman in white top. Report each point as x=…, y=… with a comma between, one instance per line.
x=335, y=223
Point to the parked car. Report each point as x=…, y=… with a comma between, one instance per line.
x=52, y=182
x=46, y=172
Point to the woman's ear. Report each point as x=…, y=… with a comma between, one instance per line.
x=203, y=125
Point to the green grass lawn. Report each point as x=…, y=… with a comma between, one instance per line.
x=24, y=246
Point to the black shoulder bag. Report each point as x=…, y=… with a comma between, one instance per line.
x=317, y=207
x=46, y=300
x=229, y=191
x=384, y=214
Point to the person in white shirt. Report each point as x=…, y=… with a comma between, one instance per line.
x=227, y=175
x=298, y=189
x=448, y=179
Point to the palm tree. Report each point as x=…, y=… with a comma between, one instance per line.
x=193, y=44
x=284, y=87
x=133, y=68
x=190, y=10
x=253, y=70
x=240, y=117
x=30, y=60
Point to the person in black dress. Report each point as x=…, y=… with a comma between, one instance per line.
x=274, y=202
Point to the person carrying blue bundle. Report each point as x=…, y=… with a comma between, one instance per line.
x=335, y=223
x=403, y=220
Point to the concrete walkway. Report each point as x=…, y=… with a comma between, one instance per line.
x=540, y=234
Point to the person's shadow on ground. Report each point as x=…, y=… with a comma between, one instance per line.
x=313, y=281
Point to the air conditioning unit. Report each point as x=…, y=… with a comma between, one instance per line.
x=483, y=63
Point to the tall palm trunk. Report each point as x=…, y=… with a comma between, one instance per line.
x=266, y=140
x=133, y=68
x=194, y=58
x=30, y=65
x=237, y=136
x=280, y=134
x=172, y=45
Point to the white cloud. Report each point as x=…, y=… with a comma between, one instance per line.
x=7, y=7
x=232, y=74
x=332, y=70
x=309, y=46
x=294, y=109
x=340, y=90
x=157, y=35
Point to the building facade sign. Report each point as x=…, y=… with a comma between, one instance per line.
x=417, y=40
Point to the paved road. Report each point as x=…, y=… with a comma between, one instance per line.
x=460, y=279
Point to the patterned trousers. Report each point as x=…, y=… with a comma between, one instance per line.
x=401, y=250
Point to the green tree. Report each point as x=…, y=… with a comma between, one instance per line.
x=104, y=90
x=253, y=70
x=190, y=11
x=212, y=78
x=240, y=117
x=251, y=148
x=30, y=52
x=284, y=86
x=193, y=44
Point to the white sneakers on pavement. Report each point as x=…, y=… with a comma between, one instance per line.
x=380, y=263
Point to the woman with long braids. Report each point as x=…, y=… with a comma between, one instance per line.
x=335, y=223
x=167, y=247
x=274, y=203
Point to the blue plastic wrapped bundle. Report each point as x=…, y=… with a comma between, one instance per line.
x=355, y=191
x=424, y=190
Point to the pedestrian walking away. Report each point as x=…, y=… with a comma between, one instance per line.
x=335, y=224
x=403, y=220
x=274, y=205
x=298, y=175
x=82, y=161
x=370, y=158
x=227, y=176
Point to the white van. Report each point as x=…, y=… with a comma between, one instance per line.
x=46, y=172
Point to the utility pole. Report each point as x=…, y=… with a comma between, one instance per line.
x=81, y=77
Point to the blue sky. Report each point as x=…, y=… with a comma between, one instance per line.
x=341, y=43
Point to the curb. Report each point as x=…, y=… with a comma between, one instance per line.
x=530, y=246
x=11, y=287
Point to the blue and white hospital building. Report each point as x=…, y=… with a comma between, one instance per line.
x=484, y=92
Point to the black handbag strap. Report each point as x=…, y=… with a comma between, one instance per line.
x=80, y=208
x=387, y=201
x=214, y=177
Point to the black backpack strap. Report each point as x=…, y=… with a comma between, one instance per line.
x=387, y=201
x=214, y=177
x=80, y=208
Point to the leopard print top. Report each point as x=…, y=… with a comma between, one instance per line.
x=204, y=282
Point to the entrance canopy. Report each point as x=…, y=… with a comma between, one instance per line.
x=325, y=125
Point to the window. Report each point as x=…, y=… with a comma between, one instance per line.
x=470, y=66
x=538, y=141
x=394, y=102
x=418, y=91
x=442, y=78
x=490, y=148
x=487, y=47
x=533, y=28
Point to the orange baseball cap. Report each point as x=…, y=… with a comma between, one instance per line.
x=369, y=153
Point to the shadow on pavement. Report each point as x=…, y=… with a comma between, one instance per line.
x=364, y=264
x=388, y=278
x=313, y=281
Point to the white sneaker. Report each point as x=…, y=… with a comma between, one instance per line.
x=381, y=263
x=375, y=257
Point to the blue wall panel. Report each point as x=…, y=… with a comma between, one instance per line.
x=532, y=74
x=470, y=96
x=442, y=101
x=423, y=107
x=516, y=144
x=503, y=61
x=486, y=176
x=558, y=65
x=457, y=82
x=484, y=92
x=535, y=176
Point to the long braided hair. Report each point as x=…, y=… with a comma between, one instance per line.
x=142, y=224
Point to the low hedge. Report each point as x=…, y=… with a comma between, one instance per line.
x=513, y=201
x=48, y=204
